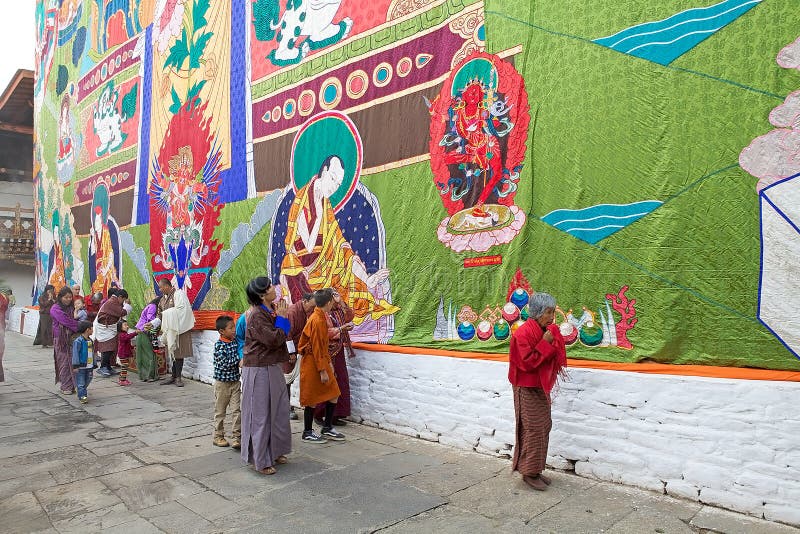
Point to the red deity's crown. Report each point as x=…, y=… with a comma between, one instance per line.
x=475, y=82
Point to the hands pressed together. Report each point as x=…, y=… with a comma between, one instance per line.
x=281, y=308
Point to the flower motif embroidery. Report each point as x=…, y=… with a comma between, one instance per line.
x=168, y=22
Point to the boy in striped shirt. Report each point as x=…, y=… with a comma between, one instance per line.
x=227, y=388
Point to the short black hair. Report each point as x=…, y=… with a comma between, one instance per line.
x=222, y=322
x=256, y=288
x=121, y=293
x=83, y=326
x=120, y=323
x=323, y=297
x=307, y=296
x=326, y=164
x=112, y=291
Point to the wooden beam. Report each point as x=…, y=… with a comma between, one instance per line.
x=20, y=75
x=6, y=127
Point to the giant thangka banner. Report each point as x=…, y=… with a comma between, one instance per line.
x=437, y=162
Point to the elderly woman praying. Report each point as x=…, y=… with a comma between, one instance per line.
x=536, y=358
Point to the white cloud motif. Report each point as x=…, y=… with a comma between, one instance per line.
x=787, y=115
x=776, y=155
x=772, y=157
x=789, y=57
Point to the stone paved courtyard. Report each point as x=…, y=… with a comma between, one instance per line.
x=140, y=459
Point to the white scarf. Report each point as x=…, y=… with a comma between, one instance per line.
x=107, y=332
x=176, y=321
x=104, y=332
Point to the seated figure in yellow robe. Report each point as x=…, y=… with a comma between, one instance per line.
x=100, y=245
x=57, y=277
x=317, y=254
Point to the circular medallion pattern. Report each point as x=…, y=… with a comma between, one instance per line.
x=330, y=93
x=382, y=75
x=306, y=102
x=404, y=66
x=357, y=84
x=289, y=108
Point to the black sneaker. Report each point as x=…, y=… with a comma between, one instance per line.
x=313, y=437
x=293, y=416
x=332, y=434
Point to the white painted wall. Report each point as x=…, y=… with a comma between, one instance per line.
x=13, y=193
x=19, y=278
x=729, y=443
x=27, y=326
x=201, y=366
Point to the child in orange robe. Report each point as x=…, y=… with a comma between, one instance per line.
x=317, y=379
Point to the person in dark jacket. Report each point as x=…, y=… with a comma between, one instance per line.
x=266, y=434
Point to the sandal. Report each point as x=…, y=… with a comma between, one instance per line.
x=268, y=471
x=281, y=460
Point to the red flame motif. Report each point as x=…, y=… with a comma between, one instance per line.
x=519, y=281
x=196, y=182
x=627, y=311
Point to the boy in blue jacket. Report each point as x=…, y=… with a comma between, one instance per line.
x=83, y=360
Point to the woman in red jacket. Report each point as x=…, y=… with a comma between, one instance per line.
x=536, y=358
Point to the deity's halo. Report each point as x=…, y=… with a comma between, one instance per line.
x=327, y=134
x=480, y=69
x=101, y=199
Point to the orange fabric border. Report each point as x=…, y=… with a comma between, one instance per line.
x=203, y=319
x=708, y=371
x=206, y=319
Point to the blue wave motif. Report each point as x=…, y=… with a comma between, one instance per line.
x=666, y=40
x=596, y=223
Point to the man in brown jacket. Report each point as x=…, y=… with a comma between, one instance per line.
x=184, y=340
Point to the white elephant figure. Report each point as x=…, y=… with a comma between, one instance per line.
x=312, y=19
x=108, y=122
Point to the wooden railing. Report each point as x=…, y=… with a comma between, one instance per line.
x=17, y=234
x=16, y=222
